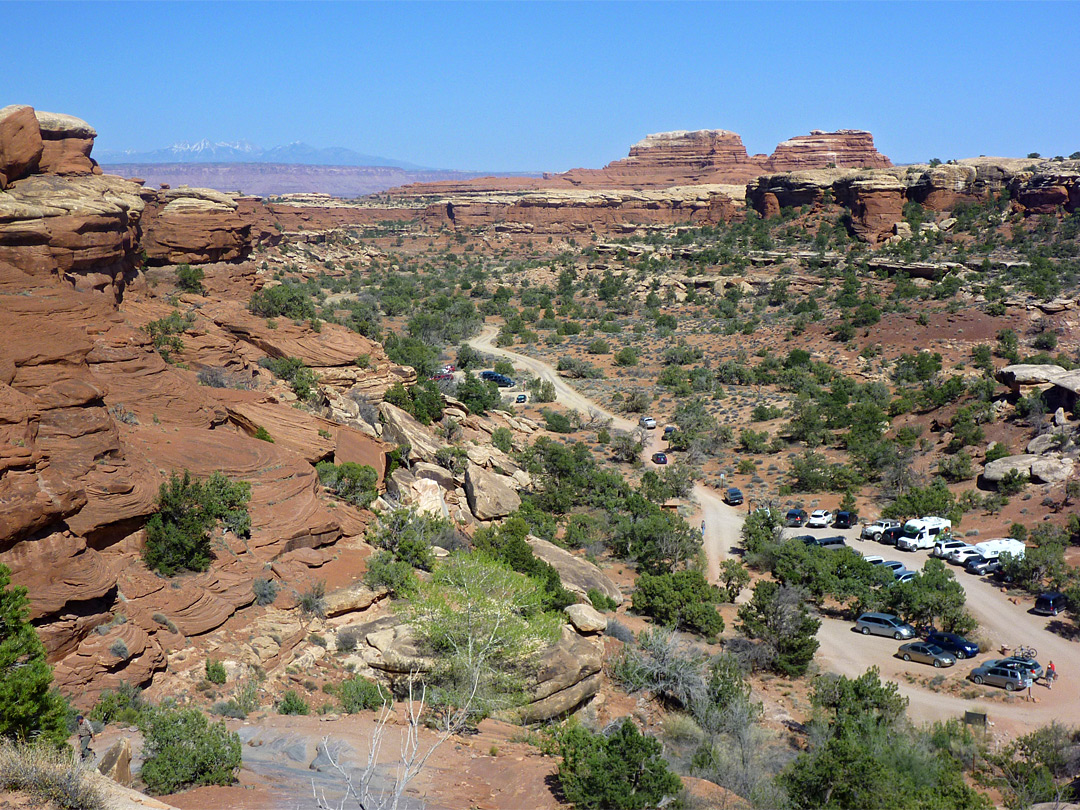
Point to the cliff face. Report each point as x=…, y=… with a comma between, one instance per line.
x=92, y=420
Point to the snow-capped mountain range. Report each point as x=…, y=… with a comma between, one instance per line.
x=206, y=151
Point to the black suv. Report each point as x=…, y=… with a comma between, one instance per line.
x=796, y=517
x=500, y=380
x=1050, y=604
x=845, y=520
x=733, y=496
x=891, y=535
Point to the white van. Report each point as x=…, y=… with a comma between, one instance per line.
x=922, y=532
x=992, y=549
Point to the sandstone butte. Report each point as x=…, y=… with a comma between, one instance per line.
x=92, y=419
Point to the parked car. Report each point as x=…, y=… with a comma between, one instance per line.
x=1028, y=665
x=945, y=547
x=903, y=576
x=668, y=431
x=872, y=531
x=884, y=624
x=895, y=566
x=521, y=398
x=500, y=380
x=733, y=496
x=659, y=458
x=449, y=368
x=833, y=542
x=795, y=517
x=992, y=675
x=978, y=564
x=647, y=422
x=1050, y=604
x=951, y=642
x=874, y=559
x=962, y=555
x=442, y=375
x=891, y=535
x=926, y=653
x=845, y=519
x=820, y=518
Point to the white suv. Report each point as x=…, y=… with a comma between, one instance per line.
x=820, y=518
x=647, y=422
x=872, y=531
x=945, y=548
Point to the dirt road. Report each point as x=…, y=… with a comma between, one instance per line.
x=723, y=523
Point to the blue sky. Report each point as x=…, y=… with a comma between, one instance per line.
x=551, y=86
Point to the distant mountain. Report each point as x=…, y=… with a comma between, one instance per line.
x=205, y=151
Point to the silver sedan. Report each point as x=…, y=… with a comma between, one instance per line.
x=926, y=653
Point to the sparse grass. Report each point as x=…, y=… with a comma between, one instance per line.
x=50, y=776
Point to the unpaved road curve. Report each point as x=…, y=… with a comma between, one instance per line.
x=845, y=652
x=723, y=524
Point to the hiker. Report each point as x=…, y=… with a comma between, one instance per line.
x=1051, y=675
x=86, y=734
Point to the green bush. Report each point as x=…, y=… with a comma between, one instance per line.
x=557, y=422
x=190, y=279
x=626, y=356
x=1013, y=483
x=181, y=749
x=178, y=534
x=29, y=708
x=996, y=450
x=622, y=772
x=283, y=300
x=360, y=694
x=300, y=378
x=125, y=705
x=215, y=671
x=313, y=600
x=423, y=402
x=165, y=334
x=681, y=599
x=353, y=483
x=292, y=703
x=479, y=396
x=502, y=439
x=600, y=600
x=386, y=571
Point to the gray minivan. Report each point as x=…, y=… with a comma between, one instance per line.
x=884, y=624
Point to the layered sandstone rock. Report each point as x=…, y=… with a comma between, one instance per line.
x=66, y=144
x=196, y=226
x=846, y=148
x=20, y=143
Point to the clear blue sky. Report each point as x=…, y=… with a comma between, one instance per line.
x=551, y=86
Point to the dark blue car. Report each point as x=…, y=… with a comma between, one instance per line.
x=957, y=645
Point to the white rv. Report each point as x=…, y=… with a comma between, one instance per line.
x=991, y=549
x=922, y=532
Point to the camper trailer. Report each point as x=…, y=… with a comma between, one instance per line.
x=992, y=549
x=922, y=532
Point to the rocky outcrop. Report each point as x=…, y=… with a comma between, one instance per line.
x=20, y=143
x=566, y=675
x=1052, y=187
x=578, y=576
x=569, y=212
x=196, y=226
x=1045, y=469
x=846, y=148
x=66, y=144
x=116, y=764
x=585, y=619
x=876, y=203
x=491, y=496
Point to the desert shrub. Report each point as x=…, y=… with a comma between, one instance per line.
x=282, y=300
x=777, y=617
x=557, y=422
x=1013, y=483
x=119, y=649
x=423, y=402
x=360, y=694
x=600, y=600
x=348, y=638
x=622, y=772
x=956, y=468
x=502, y=439
x=300, y=378
x=313, y=600
x=190, y=279
x=479, y=396
x=182, y=749
x=627, y=356
x=681, y=599
x=50, y=776
x=165, y=334
x=178, y=534
x=215, y=671
x=28, y=706
x=265, y=590
x=619, y=631
x=263, y=435
x=292, y=703
x=386, y=571
x=124, y=705
x=353, y=483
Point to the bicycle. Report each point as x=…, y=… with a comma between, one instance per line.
x=1020, y=651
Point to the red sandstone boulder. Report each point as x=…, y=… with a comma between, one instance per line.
x=66, y=144
x=845, y=148
x=20, y=143
x=195, y=226
x=876, y=202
